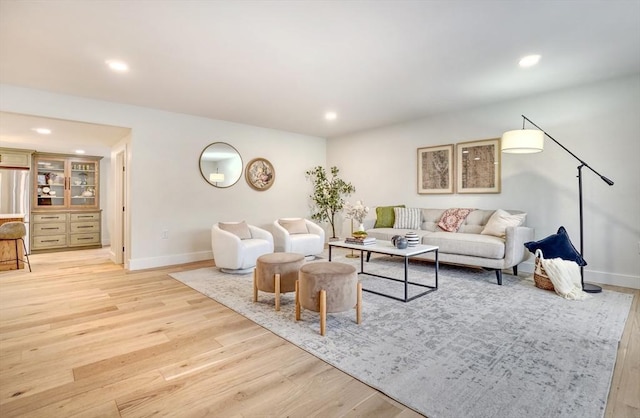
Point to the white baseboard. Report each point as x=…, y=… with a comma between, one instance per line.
x=169, y=260
x=599, y=277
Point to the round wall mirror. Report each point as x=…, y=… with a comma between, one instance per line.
x=221, y=165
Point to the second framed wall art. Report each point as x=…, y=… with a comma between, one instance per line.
x=478, y=166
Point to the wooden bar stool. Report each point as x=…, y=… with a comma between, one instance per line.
x=14, y=231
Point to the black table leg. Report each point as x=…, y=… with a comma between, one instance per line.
x=406, y=278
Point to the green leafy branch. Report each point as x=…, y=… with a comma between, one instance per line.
x=328, y=195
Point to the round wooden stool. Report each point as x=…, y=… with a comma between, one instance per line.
x=328, y=287
x=276, y=273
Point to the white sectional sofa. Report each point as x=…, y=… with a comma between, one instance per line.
x=468, y=245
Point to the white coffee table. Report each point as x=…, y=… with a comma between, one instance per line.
x=385, y=247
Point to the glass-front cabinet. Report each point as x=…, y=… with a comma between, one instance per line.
x=66, y=182
x=65, y=210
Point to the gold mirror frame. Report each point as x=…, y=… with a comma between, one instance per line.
x=220, y=165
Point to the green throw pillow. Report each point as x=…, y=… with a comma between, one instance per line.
x=385, y=216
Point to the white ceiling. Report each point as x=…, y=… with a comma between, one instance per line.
x=283, y=64
x=17, y=131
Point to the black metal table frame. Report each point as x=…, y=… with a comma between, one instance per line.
x=406, y=273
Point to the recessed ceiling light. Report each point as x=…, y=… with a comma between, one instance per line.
x=79, y=151
x=331, y=116
x=42, y=131
x=529, y=61
x=118, y=66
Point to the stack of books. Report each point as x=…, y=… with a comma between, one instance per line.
x=361, y=241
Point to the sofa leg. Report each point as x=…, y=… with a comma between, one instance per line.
x=499, y=276
x=515, y=270
x=368, y=256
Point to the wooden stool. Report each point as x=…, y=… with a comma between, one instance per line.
x=276, y=273
x=328, y=287
x=14, y=231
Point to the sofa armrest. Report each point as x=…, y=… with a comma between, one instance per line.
x=369, y=223
x=514, y=250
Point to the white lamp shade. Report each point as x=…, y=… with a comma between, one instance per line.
x=523, y=141
x=216, y=177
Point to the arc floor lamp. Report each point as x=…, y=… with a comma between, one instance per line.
x=526, y=141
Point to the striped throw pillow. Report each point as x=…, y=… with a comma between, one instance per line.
x=407, y=218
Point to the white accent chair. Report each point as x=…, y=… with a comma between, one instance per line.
x=237, y=245
x=298, y=235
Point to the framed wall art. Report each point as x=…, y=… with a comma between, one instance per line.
x=435, y=169
x=478, y=166
x=260, y=174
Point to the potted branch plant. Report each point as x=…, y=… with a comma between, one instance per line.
x=328, y=195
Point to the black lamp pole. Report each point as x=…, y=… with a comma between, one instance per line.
x=587, y=287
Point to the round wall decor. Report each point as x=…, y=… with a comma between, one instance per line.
x=260, y=174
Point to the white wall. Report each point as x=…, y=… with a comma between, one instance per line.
x=166, y=189
x=599, y=123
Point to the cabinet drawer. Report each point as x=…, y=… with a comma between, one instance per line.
x=49, y=241
x=85, y=227
x=85, y=239
x=93, y=216
x=49, y=217
x=53, y=228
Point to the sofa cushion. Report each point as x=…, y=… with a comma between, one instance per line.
x=500, y=220
x=385, y=216
x=294, y=226
x=475, y=245
x=475, y=221
x=407, y=218
x=240, y=229
x=430, y=219
x=557, y=246
x=452, y=218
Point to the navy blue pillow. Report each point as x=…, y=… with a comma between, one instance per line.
x=557, y=246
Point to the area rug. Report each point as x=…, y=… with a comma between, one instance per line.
x=470, y=349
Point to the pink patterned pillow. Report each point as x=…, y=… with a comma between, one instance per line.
x=452, y=219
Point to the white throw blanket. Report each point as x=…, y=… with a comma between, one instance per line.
x=565, y=276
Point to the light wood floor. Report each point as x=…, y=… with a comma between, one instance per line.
x=80, y=337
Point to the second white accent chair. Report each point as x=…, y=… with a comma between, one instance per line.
x=298, y=235
x=237, y=245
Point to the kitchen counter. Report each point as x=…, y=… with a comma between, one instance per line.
x=10, y=217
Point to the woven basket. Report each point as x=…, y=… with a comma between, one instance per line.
x=540, y=277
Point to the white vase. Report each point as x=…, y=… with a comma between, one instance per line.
x=361, y=227
x=412, y=239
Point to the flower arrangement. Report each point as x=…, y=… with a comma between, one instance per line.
x=357, y=211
